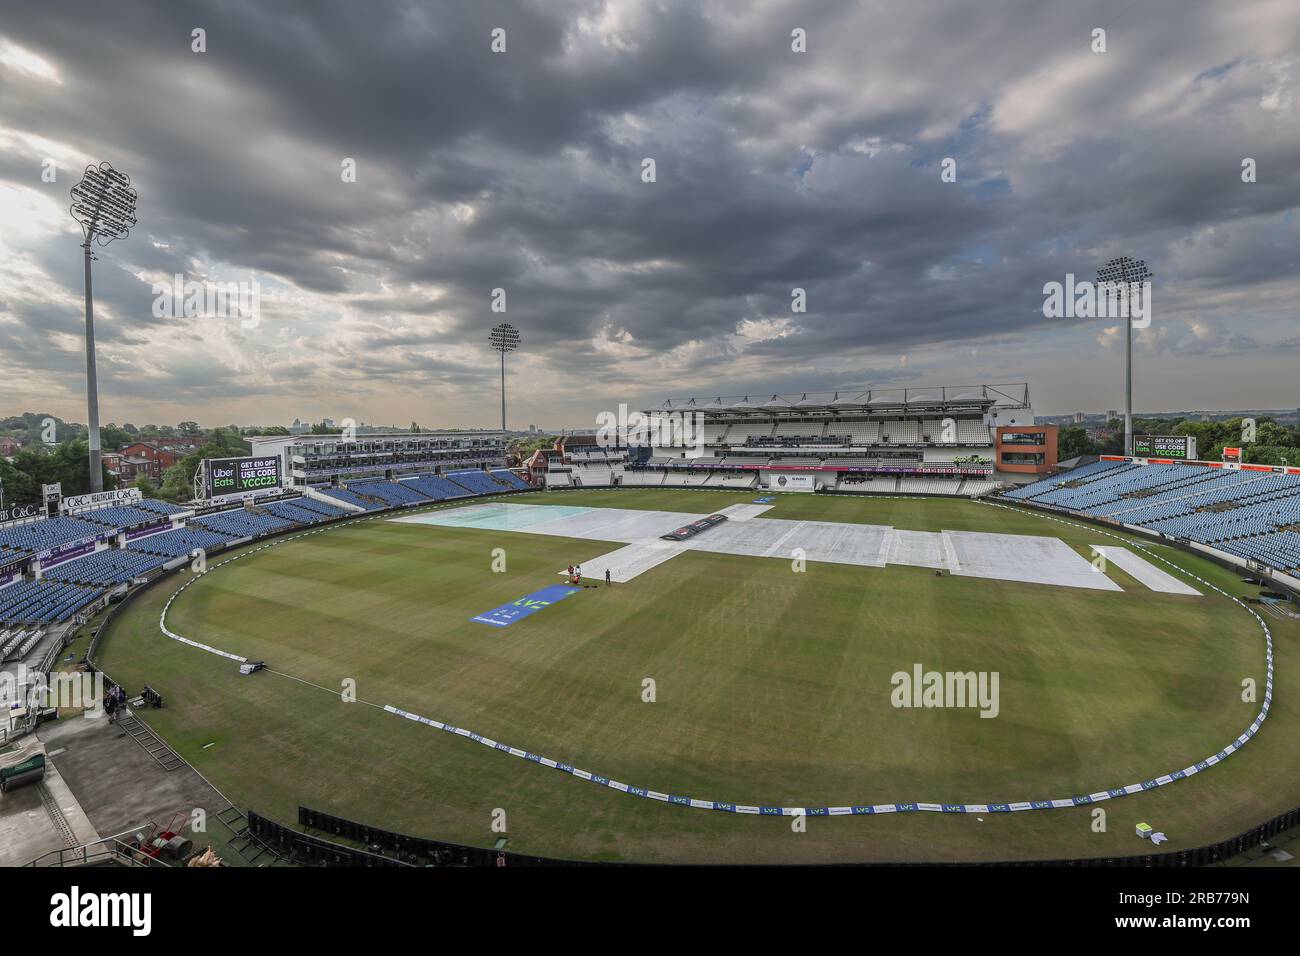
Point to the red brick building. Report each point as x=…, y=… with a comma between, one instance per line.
x=151, y=458
x=1026, y=449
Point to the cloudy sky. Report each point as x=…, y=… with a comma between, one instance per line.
x=522, y=170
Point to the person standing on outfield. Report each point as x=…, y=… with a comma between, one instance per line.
x=607, y=580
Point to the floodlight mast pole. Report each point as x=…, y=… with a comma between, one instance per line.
x=504, y=338
x=104, y=205
x=1128, y=385
x=92, y=381
x=1124, y=274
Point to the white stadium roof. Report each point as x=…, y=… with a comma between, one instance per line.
x=1015, y=395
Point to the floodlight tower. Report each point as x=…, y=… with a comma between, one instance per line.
x=1122, y=275
x=104, y=204
x=504, y=338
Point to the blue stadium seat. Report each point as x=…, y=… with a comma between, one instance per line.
x=394, y=493
x=179, y=542
x=109, y=566
x=239, y=523
x=48, y=533
x=435, y=487
x=1251, y=514
x=46, y=602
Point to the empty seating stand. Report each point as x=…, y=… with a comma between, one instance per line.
x=106, y=567
x=48, y=602
x=48, y=533
x=316, y=506
x=180, y=542
x=347, y=496
x=299, y=513
x=482, y=482
x=1250, y=514
x=123, y=516
x=393, y=493
x=511, y=479
x=435, y=487
x=242, y=524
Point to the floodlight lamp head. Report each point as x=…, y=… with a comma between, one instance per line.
x=104, y=204
x=1123, y=273
x=504, y=337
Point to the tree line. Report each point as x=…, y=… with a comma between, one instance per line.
x=1273, y=444
x=55, y=451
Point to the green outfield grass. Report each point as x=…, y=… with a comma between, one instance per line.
x=773, y=687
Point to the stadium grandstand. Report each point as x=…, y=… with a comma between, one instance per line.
x=314, y=460
x=947, y=440
x=1247, y=513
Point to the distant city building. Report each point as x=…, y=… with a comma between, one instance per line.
x=1079, y=417
x=1112, y=415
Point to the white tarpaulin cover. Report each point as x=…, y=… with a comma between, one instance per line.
x=1005, y=557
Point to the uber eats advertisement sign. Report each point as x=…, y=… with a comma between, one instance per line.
x=236, y=476
x=1182, y=447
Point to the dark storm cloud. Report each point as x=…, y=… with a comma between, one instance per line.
x=775, y=170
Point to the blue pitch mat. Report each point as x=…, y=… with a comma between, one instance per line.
x=507, y=614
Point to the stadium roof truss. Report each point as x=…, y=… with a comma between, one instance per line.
x=856, y=401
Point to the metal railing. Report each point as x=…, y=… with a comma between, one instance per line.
x=107, y=850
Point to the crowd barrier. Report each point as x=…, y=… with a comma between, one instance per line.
x=417, y=851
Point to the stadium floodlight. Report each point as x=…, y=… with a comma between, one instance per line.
x=104, y=204
x=1121, y=276
x=504, y=338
